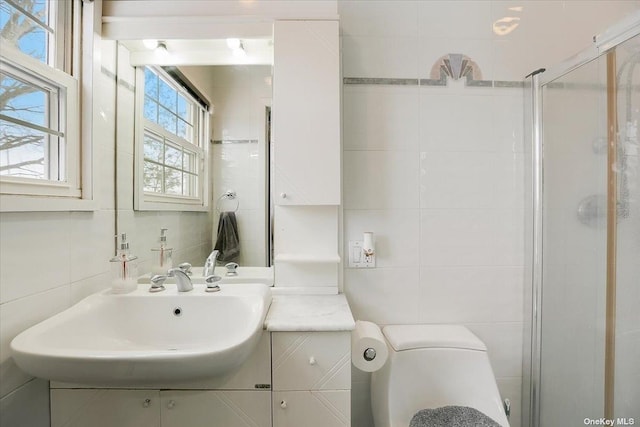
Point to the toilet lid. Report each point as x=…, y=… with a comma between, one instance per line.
x=408, y=337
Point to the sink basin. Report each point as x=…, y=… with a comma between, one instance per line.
x=145, y=339
x=245, y=275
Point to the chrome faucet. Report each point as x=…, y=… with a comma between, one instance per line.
x=210, y=263
x=182, y=279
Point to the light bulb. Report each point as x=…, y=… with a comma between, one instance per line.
x=150, y=43
x=162, y=50
x=240, y=52
x=233, y=44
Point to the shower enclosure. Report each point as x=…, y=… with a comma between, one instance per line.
x=582, y=362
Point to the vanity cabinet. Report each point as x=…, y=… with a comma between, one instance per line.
x=202, y=408
x=154, y=408
x=311, y=379
x=293, y=379
x=105, y=408
x=306, y=112
x=238, y=399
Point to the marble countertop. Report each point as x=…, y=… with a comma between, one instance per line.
x=309, y=313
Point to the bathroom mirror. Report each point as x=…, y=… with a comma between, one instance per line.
x=193, y=146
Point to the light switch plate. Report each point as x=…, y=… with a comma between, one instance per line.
x=357, y=259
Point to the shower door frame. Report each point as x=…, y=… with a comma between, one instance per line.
x=603, y=44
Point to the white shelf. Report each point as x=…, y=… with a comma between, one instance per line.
x=307, y=258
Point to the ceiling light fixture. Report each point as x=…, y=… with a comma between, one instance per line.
x=161, y=49
x=237, y=47
x=234, y=44
x=150, y=44
x=240, y=52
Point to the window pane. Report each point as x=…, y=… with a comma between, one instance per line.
x=190, y=184
x=152, y=177
x=22, y=32
x=173, y=156
x=167, y=120
x=34, y=43
x=190, y=162
x=184, y=109
x=153, y=148
x=150, y=110
x=168, y=96
x=184, y=130
x=22, y=151
x=150, y=84
x=24, y=101
x=172, y=181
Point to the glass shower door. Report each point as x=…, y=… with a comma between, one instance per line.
x=574, y=246
x=589, y=344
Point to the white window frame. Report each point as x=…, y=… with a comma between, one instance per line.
x=147, y=201
x=75, y=192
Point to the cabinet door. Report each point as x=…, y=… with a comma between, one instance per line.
x=311, y=360
x=312, y=408
x=105, y=408
x=306, y=113
x=201, y=408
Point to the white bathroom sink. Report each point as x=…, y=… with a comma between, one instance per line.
x=146, y=338
x=244, y=275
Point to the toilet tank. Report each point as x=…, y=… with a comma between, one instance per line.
x=431, y=366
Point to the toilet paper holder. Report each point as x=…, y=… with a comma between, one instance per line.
x=369, y=354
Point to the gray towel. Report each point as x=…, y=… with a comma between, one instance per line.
x=227, y=240
x=451, y=416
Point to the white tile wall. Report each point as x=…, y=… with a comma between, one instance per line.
x=18, y=315
x=380, y=180
x=393, y=57
x=397, y=244
x=34, y=395
x=448, y=210
x=471, y=237
x=382, y=118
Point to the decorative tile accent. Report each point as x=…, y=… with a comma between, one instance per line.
x=508, y=83
x=455, y=66
x=234, y=141
x=452, y=66
x=379, y=81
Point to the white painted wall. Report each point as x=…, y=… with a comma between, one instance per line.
x=437, y=173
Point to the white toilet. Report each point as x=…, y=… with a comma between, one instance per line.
x=431, y=366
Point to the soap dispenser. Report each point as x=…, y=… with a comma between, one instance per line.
x=124, y=269
x=162, y=260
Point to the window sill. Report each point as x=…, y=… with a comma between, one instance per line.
x=11, y=203
x=176, y=207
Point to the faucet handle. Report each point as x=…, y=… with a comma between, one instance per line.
x=211, y=282
x=232, y=268
x=157, y=283
x=185, y=267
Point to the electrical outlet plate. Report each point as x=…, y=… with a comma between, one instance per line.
x=357, y=259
